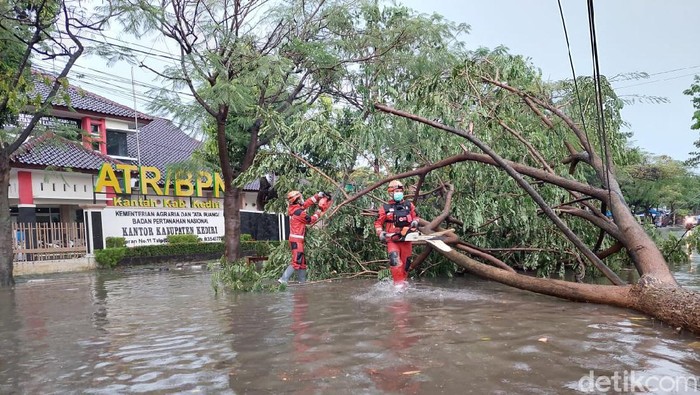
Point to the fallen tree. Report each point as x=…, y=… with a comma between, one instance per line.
x=656, y=293
x=512, y=166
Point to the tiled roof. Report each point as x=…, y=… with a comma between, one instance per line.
x=52, y=150
x=253, y=186
x=162, y=143
x=81, y=99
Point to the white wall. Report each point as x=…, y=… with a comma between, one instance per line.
x=62, y=185
x=77, y=188
x=112, y=124
x=249, y=201
x=13, y=192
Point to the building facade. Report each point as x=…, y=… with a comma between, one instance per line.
x=92, y=157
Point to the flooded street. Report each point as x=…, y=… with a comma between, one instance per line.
x=168, y=332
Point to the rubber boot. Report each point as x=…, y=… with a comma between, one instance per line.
x=286, y=275
x=301, y=275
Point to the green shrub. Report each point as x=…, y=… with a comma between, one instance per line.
x=116, y=242
x=246, y=237
x=109, y=257
x=175, y=249
x=263, y=248
x=182, y=239
x=237, y=276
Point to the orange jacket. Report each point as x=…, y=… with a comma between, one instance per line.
x=299, y=219
x=395, y=215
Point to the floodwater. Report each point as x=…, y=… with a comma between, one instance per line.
x=168, y=332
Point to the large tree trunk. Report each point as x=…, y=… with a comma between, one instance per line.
x=667, y=302
x=644, y=252
x=232, y=202
x=232, y=223
x=6, y=255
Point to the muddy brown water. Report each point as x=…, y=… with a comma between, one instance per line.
x=168, y=332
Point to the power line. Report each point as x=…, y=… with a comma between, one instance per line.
x=655, y=81
x=674, y=70
x=130, y=44
x=600, y=109
x=99, y=81
x=121, y=79
x=102, y=84
x=130, y=49
x=573, y=71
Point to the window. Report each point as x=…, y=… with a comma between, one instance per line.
x=48, y=215
x=116, y=143
x=79, y=217
x=96, y=145
x=95, y=129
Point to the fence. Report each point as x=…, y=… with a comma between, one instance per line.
x=47, y=241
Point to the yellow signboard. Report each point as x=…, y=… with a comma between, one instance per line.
x=182, y=187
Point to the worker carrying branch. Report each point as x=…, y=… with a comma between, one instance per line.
x=299, y=219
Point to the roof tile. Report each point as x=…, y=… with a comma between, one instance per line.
x=52, y=150
x=81, y=99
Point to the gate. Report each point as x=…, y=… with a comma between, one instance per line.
x=48, y=241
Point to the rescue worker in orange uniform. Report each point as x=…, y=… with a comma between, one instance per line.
x=395, y=219
x=299, y=219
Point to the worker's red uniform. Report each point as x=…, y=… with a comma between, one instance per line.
x=394, y=216
x=298, y=220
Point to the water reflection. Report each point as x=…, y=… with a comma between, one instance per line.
x=401, y=374
x=169, y=333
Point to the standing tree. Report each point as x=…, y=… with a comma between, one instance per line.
x=660, y=181
x=47, y=29
x=253, y=66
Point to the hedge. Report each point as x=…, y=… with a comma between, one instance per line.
x=116, y=242
x=182, y=239
x=161, y=253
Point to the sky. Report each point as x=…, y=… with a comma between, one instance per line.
x=656, y=37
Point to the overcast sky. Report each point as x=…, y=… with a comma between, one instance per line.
x=657, y=37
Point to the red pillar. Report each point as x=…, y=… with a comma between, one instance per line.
x=87, y=124
x=110, y=195
x=24, y=188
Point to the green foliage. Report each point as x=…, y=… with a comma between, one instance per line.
x=176, y=249
x=251, y=97
x=240, y=277
x=694, y=92
x=115, y=242
x=660, y=181
x=304, y=111
x=675, y=251
x=182, y=239
x=110, y=257
x=692, y=242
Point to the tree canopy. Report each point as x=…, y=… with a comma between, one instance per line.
x=694, y=92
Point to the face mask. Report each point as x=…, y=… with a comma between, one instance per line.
x=398, y=196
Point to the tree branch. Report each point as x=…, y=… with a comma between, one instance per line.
x=614, y=278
